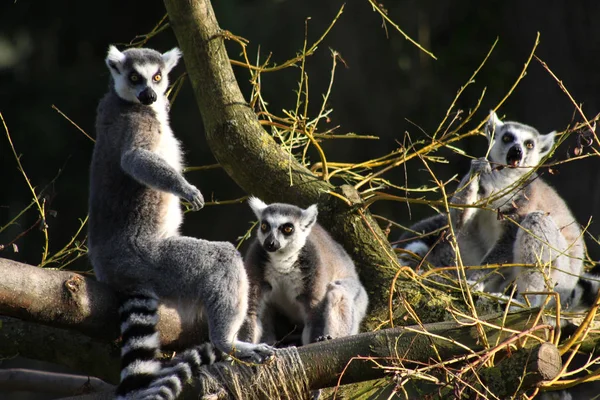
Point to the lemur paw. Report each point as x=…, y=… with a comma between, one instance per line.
x=194, y=197
x=323, y=338
x=480, y=166
x=258, y=354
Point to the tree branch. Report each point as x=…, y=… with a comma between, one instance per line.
x=65, y=299
x=374, y=355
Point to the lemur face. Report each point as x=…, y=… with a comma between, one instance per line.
x=516, y=145
x=140, y=75
x=283, y=228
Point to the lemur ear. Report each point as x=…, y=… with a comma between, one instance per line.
x=114, y=59
x=546, y=143
x=257, y=206
x=171, y=58
x=309, y=217
x=492, y=124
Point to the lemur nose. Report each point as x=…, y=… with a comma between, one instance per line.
x=272, y=244
x=147, y=96
x=518, y=150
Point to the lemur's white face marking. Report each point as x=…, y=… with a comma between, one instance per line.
x=516, y=145
x=141, y=75
x=283, y=228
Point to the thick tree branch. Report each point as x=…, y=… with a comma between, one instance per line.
x=377, y=354
x=256, y=162
x=70, y=300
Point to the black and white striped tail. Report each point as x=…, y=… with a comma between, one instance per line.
x=143, y=375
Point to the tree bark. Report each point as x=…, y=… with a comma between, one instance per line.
x=65, y=299
x=257, y=163
x=523, y=370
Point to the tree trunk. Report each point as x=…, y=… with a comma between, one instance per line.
x=257, y=163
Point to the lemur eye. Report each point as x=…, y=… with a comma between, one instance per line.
x=157, y=77
x=264, y=226
x=529, y=144
x=507, y=138
x=134, y=77
x=287, y=229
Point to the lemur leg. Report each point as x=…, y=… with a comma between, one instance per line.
x=502, y=253
x=340, y=313
x=266, y=321
x=214, y=273
x=539, y=242
x=252, y=329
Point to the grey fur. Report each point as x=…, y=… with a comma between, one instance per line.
x=134, y=243
x=546, y=235
x=306, y=276
x=428, y=240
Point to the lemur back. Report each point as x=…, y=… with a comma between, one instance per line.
x=521, y=219
x=298, y=270
x=134, y=245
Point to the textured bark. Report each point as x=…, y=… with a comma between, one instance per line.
x=256, y=162
x=523, y=369
x=70, y=300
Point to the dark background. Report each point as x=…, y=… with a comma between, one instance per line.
x=53, y=53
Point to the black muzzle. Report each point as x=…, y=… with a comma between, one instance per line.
x=514, y=156
x=271, y=244
x=147, y=96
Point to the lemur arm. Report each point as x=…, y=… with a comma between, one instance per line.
x=150, y=169
x=468, y=193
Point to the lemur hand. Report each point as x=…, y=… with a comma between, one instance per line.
x=480, y=166
x=194, y=197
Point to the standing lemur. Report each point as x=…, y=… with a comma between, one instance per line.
x=134, y=242
x=504, y=188
x=297, y=270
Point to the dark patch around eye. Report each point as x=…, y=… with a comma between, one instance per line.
x=287, y=229
x=264, y=226
x=529, y=144
x=507, y=137
x=135, y=78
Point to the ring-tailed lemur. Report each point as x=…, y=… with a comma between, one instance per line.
x=136, y=182
x=297, y=269
x=545, y=233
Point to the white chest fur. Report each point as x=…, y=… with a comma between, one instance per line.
x=286, y=287
x=170, y=150
x=169, y=147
